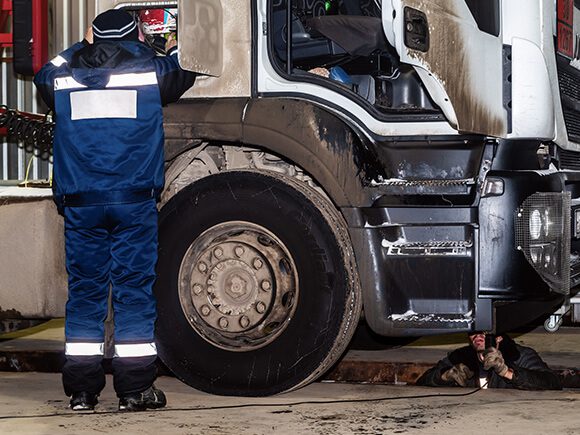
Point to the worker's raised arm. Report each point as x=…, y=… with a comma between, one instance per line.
x=173, y=80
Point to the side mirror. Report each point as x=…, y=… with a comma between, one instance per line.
x=200, y=35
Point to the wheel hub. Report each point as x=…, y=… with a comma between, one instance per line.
x=238, y=286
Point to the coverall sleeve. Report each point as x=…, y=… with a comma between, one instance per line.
x=432, y=377
x=532, y=373
x=172, y=79
x=44, y=79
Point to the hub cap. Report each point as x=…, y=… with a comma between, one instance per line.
x=238, y=286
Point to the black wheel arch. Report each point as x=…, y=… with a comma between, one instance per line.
x=340, y=159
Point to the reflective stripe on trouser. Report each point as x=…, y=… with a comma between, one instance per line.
x=110, y=245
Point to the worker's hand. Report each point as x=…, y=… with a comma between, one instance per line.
x=171, y=41
x=459, y=373
x=89, y=35
x=493, y=359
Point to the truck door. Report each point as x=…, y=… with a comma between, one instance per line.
x=456, y=48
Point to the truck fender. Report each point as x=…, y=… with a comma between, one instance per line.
x=325, y=146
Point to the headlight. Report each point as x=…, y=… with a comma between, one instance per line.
x=543, y=235
x=535, y=224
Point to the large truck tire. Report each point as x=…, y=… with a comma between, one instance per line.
x=257, y=289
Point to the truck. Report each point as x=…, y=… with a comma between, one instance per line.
x=412, y=162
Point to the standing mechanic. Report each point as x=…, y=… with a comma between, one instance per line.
x=108, y=172
x=507, y=365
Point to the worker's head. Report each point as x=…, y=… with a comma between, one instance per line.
x=477, y=340
x=115, y=25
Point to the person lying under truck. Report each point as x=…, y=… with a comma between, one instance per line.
x=504, y=365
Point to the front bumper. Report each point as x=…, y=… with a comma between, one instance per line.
x=433, y=270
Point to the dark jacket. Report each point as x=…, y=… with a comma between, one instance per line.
x=108, y=140
x=530, y=372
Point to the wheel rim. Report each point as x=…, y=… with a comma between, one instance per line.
x=238, y=286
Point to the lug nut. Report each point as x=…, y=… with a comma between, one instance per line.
x=213, y=276
x=223, y=322
x=218, y=252
x=260, y=307
x=258, y=263
x=266, y=285
x=202, y=267
x=244, y=321
x=239, y=251
x=205, y=310
x=197, y=289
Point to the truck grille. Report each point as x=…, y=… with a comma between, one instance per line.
x=569, y=80
x=569, y=159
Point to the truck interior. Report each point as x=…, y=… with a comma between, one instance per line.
x=343, y=42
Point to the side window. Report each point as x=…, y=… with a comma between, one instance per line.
x=343, y=43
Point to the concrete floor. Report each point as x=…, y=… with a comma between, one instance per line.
x=33, y=403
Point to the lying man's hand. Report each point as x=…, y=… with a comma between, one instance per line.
x=459, y=373
x=493, y=359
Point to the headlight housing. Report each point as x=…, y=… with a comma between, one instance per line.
x=543, y=235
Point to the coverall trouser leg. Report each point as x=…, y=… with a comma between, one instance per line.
x=110, y=245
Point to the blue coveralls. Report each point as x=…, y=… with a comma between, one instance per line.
x=108, y=173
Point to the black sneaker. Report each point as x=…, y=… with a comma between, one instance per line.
x=83, y=401
x=151, y=398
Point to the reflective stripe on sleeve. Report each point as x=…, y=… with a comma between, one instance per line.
x=62, y=83
x=134, y=350
x=132, y=79
x=58, y=61
x=84, y=349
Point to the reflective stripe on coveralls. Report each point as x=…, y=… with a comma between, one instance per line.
x=135, y=350
x=121, y=350
x=84, y=349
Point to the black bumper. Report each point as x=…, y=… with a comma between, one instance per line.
x=434, y=270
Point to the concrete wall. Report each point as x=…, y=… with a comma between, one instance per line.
x=33, y=281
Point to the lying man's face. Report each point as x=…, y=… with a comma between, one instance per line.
x=477, y=340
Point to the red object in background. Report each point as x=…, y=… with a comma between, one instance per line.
x=566, y=27
x=5, y=15
x=29, y=35
x=152, y=19
x=158, y=21
x=39, y=42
